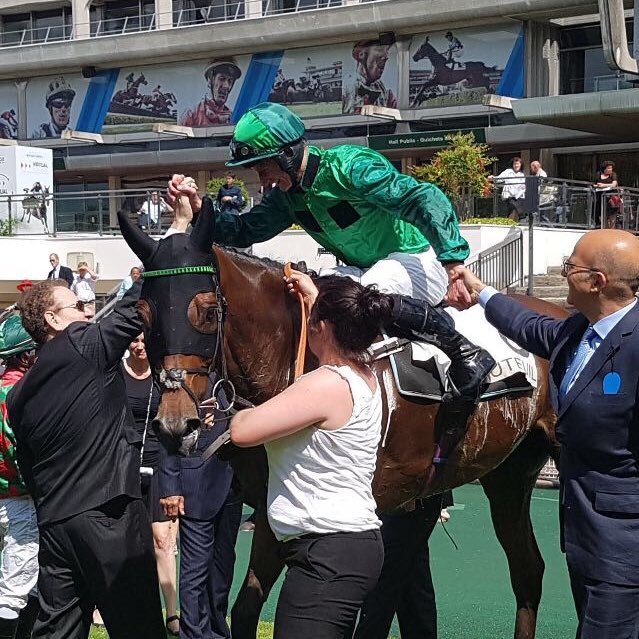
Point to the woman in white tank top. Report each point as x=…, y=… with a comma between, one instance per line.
x=321, y=436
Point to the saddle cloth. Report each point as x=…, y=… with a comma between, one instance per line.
x=420, y=369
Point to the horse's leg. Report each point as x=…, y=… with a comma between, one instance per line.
x=264, y=568
x=509, y=489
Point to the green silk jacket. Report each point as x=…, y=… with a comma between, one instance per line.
x=354, y=203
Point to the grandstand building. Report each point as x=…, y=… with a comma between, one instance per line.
x=126, y=91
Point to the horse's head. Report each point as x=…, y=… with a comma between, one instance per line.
x=423, y=50
x=182, y=310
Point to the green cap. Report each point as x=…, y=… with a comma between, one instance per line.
x=262, y=132
x=14, y=338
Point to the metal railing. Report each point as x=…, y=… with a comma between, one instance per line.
x=562, y=204
x=597, y=83
x=501, y=265
x=36, y=35
x=230, y=10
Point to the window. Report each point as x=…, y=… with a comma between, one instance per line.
x=583, y=68
x=36, y=26
x=122, y=16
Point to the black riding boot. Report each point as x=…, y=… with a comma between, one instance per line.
x=469, y=364
x=27, y=618
x=8, y=628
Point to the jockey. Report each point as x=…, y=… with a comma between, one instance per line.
x=386, y=227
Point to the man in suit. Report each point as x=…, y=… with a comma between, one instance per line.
x=594, y=387
x=79, y=453
x=199, y=492
x=59, y=272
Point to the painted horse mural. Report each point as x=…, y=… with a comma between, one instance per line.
x=235, y=318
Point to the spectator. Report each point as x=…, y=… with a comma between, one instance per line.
x=537, y=170
x=229, y=196
x=18, y=527
x=127, y=282
x=605, y=181
x=321, y=437
x=594, y=383
x=152, y=210
x=59, y=272
x=143, y=394
x=24, y=285
x=514, y=188
x=79, y=453
x=200, y=492
x=84, y=287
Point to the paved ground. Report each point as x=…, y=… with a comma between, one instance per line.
x=473, y=589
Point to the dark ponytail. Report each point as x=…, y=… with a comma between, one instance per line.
x=355, y=312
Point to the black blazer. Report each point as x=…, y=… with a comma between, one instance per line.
x=76, y=442
x=598, y=433
x=66, y=274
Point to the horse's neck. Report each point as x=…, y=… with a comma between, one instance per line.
x=432, y=53
x=260, y=328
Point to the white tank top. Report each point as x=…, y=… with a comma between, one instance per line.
x=320, y=480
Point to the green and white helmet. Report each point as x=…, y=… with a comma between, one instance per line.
x=14, y=338
x=262, y=132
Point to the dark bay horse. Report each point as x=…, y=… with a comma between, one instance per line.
x=507, y=442
x=475, y=73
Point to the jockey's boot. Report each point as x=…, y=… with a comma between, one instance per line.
x=416, y=319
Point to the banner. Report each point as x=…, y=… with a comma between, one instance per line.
x=446, y=69
x=453, y=68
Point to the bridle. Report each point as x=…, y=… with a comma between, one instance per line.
x=175, y=378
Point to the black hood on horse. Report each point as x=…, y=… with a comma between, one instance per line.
x=180, y=313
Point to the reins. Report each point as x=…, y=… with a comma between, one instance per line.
x=301, y=347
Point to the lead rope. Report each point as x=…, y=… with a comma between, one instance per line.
x=301, y=347
x=146, y=421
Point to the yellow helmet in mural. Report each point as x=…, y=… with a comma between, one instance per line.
x=58, y=88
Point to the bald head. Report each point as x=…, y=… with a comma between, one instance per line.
x=616, y=254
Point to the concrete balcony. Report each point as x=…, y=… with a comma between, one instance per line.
x=256, y=32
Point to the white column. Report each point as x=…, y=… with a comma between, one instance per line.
x=115, y=183
x=163, y=14
x=253, y=8
x=81, y=27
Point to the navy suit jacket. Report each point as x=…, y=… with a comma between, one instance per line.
x=205, y=485
x=599, y=437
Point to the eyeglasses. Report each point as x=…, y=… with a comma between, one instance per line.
x=79, y=306
x=60, y=104
x=569, y=267
x=51, y=259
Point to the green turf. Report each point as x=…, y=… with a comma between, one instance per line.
x=474, y=597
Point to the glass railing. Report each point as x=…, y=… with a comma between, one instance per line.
x=36, y=35
x=597, y=83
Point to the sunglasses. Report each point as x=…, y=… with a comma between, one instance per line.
x=60, y=104
x=79, y=306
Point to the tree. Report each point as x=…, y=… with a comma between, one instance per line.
x=460, y=170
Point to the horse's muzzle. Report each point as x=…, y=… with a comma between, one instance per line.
x=177, y=435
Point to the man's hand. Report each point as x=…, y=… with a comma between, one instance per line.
x=457, y=296
x=173, y=507
x=181, y=185
x=470, y=283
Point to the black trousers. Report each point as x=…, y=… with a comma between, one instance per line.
x=206, y=571
x=405, y=585
x=104, y=558
x=327, y=579
x=604, y=610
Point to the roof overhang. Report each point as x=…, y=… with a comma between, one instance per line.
x=613, y=114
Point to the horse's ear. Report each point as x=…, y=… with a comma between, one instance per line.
x=202, y=234
x=139, y=242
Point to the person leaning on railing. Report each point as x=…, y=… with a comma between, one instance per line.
x=513, y=190
x=606, y=200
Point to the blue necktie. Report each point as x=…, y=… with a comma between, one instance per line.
x=578, y=362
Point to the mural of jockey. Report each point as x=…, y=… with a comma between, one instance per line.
x=59, y=99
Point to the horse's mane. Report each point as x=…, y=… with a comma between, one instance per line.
x=254, y=259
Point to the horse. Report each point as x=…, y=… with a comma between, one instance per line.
x=252, y=326
x=476, y=74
